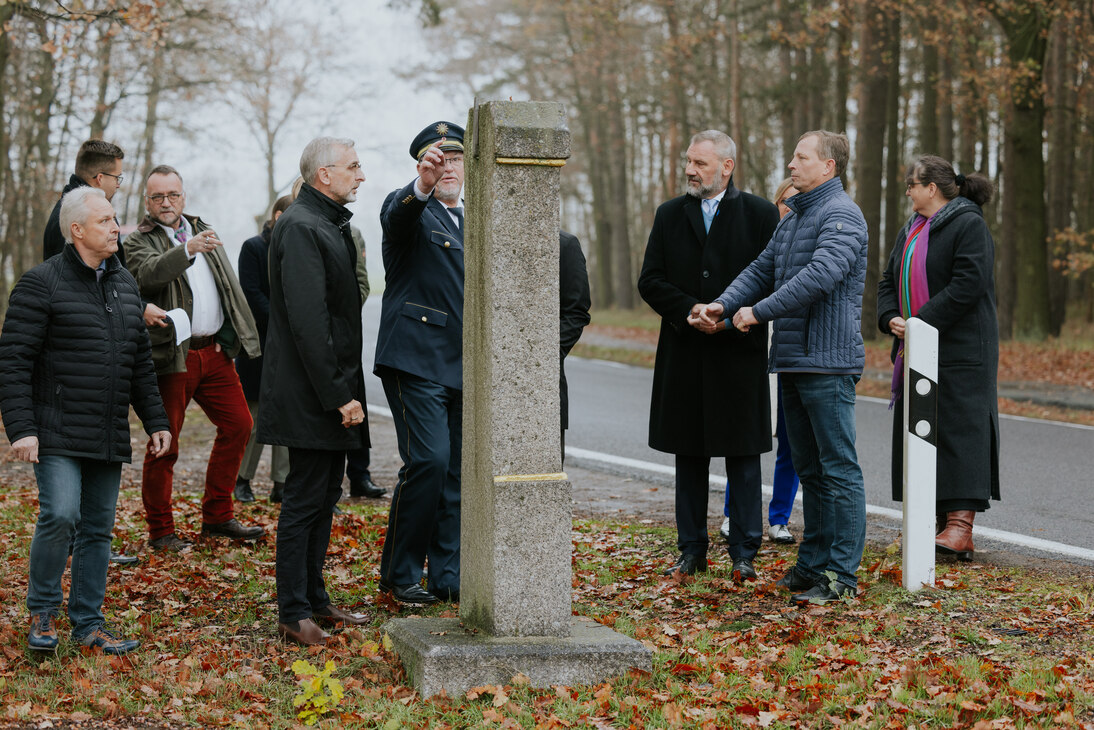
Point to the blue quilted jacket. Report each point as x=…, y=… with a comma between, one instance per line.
x=809, y=282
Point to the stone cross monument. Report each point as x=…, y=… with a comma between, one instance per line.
x=515, y=613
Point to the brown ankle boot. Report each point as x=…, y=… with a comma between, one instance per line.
x=956, y=539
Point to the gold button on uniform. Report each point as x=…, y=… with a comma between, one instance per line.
x=424, y=319
x=447, y=244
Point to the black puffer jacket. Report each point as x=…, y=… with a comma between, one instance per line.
x=74, y=354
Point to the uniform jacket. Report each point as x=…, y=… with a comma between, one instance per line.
x=961, y=282
x=710, y=392
x=809, y=281
x=573, y=308
x=75, y=355
x=421, y=322
x=159, y=267
x=312, y=361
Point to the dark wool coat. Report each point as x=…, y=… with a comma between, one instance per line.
x=961, y=282
x=254, y=280
x=573, y=308
x=312, y=362
x=710, y=392
x=75, y=355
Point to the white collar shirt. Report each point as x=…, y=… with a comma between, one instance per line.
x=207, y=316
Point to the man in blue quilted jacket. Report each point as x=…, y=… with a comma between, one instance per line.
x=809, y=283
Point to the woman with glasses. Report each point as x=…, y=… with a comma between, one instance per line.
x=941, y=271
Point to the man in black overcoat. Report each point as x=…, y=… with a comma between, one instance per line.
x=313, y=385
x=419, y=359
x=710, y=392
x=573, y=313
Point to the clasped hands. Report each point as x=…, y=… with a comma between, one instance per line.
x=707, y=318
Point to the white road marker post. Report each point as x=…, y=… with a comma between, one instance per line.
x=920, y=453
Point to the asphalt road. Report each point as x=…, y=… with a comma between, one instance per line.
x=1046, y=466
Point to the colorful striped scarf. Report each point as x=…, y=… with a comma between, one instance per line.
x=912, y=291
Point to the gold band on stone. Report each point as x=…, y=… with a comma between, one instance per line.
x=560, y=476
x=529, y=161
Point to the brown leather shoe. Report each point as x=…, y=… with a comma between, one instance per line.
x=956, y=539
x=334, y=616
x=305, y=632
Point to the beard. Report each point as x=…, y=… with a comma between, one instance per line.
x=699, y=190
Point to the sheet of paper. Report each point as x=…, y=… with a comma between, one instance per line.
x=182, y=324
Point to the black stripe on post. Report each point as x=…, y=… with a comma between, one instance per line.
x=923, y=407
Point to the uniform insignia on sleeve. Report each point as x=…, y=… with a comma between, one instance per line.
x=407, y=199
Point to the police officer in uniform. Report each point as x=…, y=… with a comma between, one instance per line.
x=419, y=359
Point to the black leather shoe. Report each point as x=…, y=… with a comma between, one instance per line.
x=452, y=594
x=242, y=491
x=688, y=564
x=277, y=491
x=232, y=529
x=119, y=559
x=823, y=594
x=795, y=582
x=743, y=570
x=365, y=488
x=412, y=593
x=336, y=510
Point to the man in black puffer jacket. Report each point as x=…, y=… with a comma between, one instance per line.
x=75, y=354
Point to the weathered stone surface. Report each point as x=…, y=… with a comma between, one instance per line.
x=440, y=654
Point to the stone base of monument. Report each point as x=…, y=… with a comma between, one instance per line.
x=440, y=654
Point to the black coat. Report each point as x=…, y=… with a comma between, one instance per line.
x=53, y=240
x=421, y=322
x=75, y=354
x=710, y=392
x=254, y=280
x=573, y=308
x=960, y=279
x=312, y=363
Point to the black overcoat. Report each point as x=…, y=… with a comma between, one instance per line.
x=573, y=309
x=254, y=280
x=312, y=364
x=710, y=392
x=961, y=282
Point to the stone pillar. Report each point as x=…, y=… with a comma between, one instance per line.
x=515, y=613
x=515, y=574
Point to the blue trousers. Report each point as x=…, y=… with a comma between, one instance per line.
x=424, y=521
x=820, y=421
x=785, y=483
x=73, y=491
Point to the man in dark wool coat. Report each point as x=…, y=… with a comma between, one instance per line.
x=710, y=393
x=313, y=386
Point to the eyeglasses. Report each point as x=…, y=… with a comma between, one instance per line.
x=455, y=161
x=911, y=185
x=351, y=166
x=119, y=178
x=160, y=197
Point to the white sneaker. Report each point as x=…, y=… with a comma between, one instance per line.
x=780, y=534
x=724, y=530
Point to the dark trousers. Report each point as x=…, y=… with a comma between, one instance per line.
x=743, y=498
x=424, y=520
x=312, y=488
x=357, y=464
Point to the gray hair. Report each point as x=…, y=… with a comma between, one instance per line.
x=74, y=208
x=321, y=152
x=831, y=146
x=724, y=146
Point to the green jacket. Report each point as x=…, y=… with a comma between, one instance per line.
x=159, y=267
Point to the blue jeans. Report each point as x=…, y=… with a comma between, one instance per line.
x=73, y=491
x=820, y=421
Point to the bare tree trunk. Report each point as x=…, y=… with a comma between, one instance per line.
x=102, y=108
x=870, y=147
x=843, y=65
x=928, y=118
x=894, y=153
x=1062, y=82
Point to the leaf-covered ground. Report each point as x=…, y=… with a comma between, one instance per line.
x=988, y=647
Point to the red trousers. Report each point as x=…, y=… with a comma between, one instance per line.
x=210, y=380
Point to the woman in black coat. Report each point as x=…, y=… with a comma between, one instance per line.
x=941, y=271
x=254, y=279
